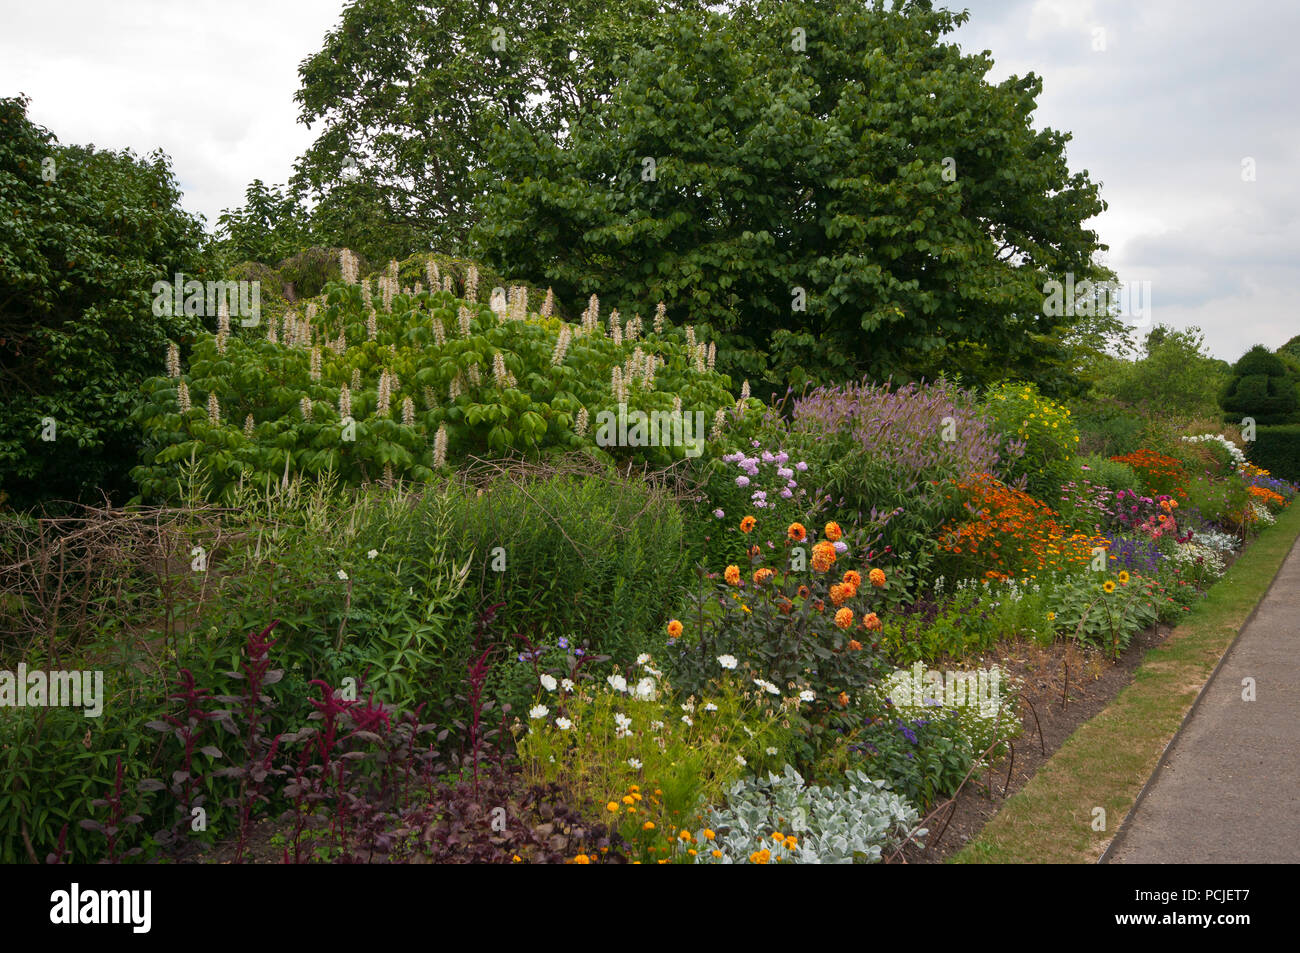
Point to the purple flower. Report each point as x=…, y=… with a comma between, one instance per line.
x=785, y=473
x=767, y=456
x=742, y=481
x=563, y=643
x=718, y=513
x=759, y=495
x=782, y=457
x=801, y=466
x=841, y=547
x=786, y=494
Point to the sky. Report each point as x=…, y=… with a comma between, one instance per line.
x=1184, y=110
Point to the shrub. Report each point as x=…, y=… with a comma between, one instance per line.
x=1108, y=473
x=1044, y=427
x=1277, y=450
x=1261, y=389
x=1222, y=502
x=1106, y=427
x=390, y=383
x=853, y=822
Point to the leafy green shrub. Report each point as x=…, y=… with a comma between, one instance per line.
x=1107, y=428
x=1218, y=501
x=1043, y=426
x=393, y=383
x=87, y=233
x=1277, y=450
x=1261, y=389
x=1112, y=474
x=1103, y=610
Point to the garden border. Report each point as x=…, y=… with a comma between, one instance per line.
x=1063, y=837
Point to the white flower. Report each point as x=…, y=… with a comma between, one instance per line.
x=686, y=720
x=807, y=695
x=372, y=554
x=727, y=661
x=740, y=760
x=656, y=726
x=567, y=685
x=771, y=751
x=617, y=682
x=651, y=670
x=749, y=731
x=643, y=658
x=645, y=689
x=548, y=682
x=538, y=711
x=623, y=725
x=342, y=575
x=688, y=705
x=767, y=686
x=710, y=707
x=563, y=724
x=634, y=764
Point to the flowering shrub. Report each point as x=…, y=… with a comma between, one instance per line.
x=779, y=819
x=1042, y=426
x=798, y=622
x=1231, y=454
x=772, y=484
x=1159, y=474
x=1150, y=517
x=1085, y=505
x=396, y=381
x=1009, y=533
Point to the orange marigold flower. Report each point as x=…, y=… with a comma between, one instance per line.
x=877, y=577
x=840, y=592
x=762, y=575
x=823, y=556
x=796, y=532
x=732, y=575
x=871, y=621
x=855, y=645
x=833, y=531
x=582, y=859
x=747, y=524
x=844, y=618
x=853, y=578
x=803, y=592
x=674, y=629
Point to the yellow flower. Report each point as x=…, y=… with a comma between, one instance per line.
x=629, y=799
x=717, y=853
x=708, y=834
x=1109, y=585
x=582, y=859
x=675, y=628
x=1051, y=616
x=612, y=807
x=778, y=836
x=648, y=826
x=1123, y=577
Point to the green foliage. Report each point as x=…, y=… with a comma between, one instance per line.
x=1175, y=376
x=1277, y=450
x=1103, y=471
x=1086, y=611
x=407, y=95
x=1218, y=501
x=779, y=172
x=1107, y=428
x=426, y=379
x=1261, y=389
x=1045, y=428
x=87, y=233
x=268, y=228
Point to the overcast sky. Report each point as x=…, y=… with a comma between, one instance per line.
x=1165, y=99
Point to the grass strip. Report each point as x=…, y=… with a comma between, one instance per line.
x=1108, y=759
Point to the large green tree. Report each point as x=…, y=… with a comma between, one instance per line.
x=828, y=184
x=406, y=95
x=86, y=234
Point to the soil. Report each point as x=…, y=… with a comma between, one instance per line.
x=1063, y=686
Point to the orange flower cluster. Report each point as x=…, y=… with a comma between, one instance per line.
x=1267, y=496
x=1160, y=475
x=823, y=556
x=1010, y=533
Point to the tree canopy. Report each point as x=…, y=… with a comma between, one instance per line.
x=830, y=187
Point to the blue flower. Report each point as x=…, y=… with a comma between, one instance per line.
x=563, y=643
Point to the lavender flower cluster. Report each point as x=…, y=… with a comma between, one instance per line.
x=783, y=477
x=919, y=431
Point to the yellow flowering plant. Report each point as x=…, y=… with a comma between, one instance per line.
x=1044, y=427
